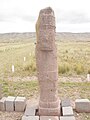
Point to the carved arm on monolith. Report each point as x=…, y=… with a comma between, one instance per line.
x=46, y=61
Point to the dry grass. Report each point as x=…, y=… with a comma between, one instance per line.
x=73, y=90
x=30, y=89
x=73, y=58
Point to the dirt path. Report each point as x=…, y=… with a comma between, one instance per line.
x=62, y=79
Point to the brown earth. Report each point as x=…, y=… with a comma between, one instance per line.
x=18, y=115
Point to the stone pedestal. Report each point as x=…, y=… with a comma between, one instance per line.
x=46, y=61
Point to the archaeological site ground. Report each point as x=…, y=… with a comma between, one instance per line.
x=45, y=75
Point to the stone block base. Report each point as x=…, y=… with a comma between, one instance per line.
x=2, y=104
x=65, y=103
x=49, y=111
x=20, y=104
x=67, y=111
x=30, y=118
x=10, y=103
x=49, y=118
x=31, y=111
x=67, y=118
x=82, y=105
x=50, y=108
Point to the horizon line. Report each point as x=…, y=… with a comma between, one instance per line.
x=35, y=32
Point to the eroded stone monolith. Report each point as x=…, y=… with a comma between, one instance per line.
x=46, y=61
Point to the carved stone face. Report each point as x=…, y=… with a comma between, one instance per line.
x=46, y=30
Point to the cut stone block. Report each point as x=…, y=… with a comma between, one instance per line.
x=10, y=103
x=2, y=104
x=49, y=118
x=30, y=111
x=30, y=118
x=67, y=118
x=65, y=103
x=67, y=111
x=20, y=104
x=82, y=105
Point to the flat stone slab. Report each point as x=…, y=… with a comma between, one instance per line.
x=20, y=104
x=67, y=118
x=49, y=118
x=82, y=105
x=67, y=111
x=10, y=103
x=30, y=118
x=65, y=103
x=2, y=104
x=31, y=110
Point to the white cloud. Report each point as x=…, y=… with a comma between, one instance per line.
x=73, y=17
x=73, y=27
x=21, y=15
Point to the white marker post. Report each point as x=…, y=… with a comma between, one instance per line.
x=24, y=59
x=13, y=68
x=88, y=77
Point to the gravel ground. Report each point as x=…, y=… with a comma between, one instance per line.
x=62, y=79
x=18, y=115
x=10, y=115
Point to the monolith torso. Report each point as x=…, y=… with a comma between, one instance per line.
x=46, y=61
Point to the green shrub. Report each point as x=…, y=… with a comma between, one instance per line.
x=66, y=51
x=88, y=71
x=79, y=69
x=63, y=68
x=30, y=67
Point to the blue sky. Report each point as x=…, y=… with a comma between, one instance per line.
x=21, y=15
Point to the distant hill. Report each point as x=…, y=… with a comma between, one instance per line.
x=17, y=37
x=29, y=36
x=73, y=36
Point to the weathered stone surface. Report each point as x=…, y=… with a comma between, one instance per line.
x=10, y=103
x=67, y=111
x=49, y=118
x=20, y=104
x=46, y=61
x=82, y=105
x=30, y=118
x=2, y=104
x=65, y=103
x=30, y=111
x=67, y=118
